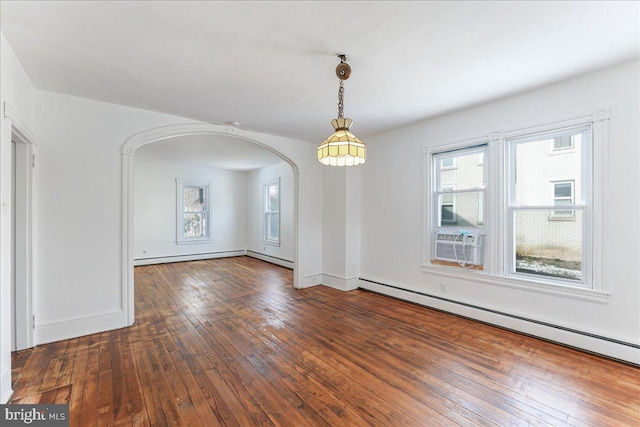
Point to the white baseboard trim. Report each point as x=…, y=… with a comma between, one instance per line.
x=271, y=259
x=340, y=283
x=311, y=280
x=599, y=345
x=73, y=328
x=192, y=257
x=5, y=387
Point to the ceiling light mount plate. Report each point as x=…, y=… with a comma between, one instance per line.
x=343, y=70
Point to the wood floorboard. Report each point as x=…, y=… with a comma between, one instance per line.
x=483, y=348
x=375, y=365
x=229, y=342
x=401, y=371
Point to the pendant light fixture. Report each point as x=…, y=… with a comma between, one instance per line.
x=342, y=148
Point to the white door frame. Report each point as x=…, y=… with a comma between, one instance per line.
x=24, y=283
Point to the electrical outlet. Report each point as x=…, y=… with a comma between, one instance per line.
x=144, y=251
x=443, y=288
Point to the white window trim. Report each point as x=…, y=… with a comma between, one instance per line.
x=266, y=184
x=496, y=245
x=180, y=184
x=538, y=286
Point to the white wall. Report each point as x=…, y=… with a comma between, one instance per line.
x=334, y=217
x=392, y=213
x=255, y=216
x=80, y=185
x=18, y=101
x=79, y=181
x=155, y=210
x=341, y=227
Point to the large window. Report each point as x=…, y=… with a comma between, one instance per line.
x=193, y=216
x=548, y=242
x=458, y=205
x=521, y=206
x=272, y=212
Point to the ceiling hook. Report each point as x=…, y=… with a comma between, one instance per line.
x=343, y=70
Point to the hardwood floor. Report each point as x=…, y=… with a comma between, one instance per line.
x=230, y=342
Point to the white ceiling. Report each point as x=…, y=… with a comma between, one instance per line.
x=270, y=65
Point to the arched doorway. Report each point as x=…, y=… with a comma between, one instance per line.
x=163, y=133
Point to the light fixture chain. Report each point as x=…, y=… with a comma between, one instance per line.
x=342, y=148
x=341, y=100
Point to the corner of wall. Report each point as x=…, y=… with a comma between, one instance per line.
x=340, y=283
x=5, y=387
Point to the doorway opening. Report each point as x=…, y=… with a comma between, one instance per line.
x=129, y=197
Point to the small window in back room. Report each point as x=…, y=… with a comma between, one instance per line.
x=272, y=211
x=193, y=213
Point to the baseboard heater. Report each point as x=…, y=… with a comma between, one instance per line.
x=513, y=316
x=271, y=259
x=187, y=257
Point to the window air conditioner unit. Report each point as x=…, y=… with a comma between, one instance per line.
x=459, y=247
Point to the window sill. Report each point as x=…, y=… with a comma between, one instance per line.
x=479, y=276
x=271, y=243
x=193, y=242
x=456, y=265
